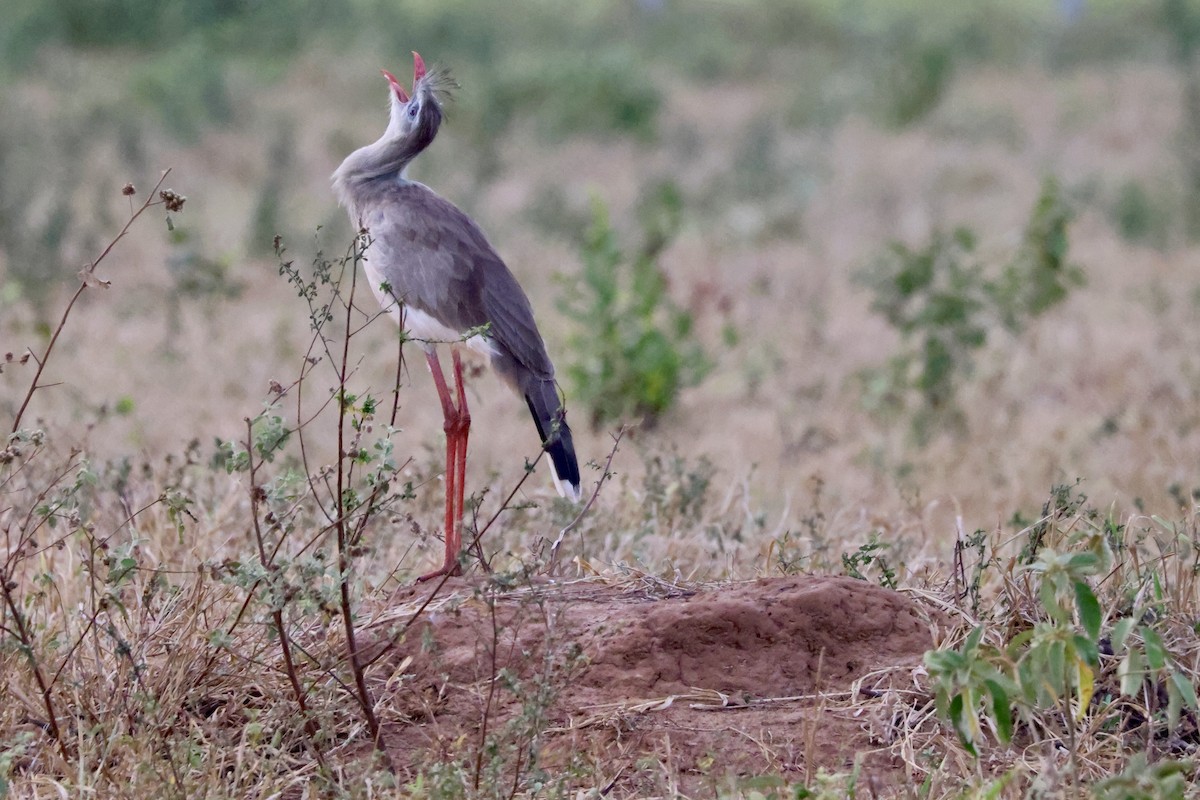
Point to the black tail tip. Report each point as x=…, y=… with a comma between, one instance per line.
x=564, y=467
x=555, y=434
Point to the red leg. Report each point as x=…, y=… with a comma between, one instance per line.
x=451, y=425
x=464, y=429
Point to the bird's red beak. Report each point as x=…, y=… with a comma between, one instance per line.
x=418, y=68
x=418, y=74
x=396, y=87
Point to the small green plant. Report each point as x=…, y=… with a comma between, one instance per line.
x=944, y=303
x=1147, y=665
x=1064, y=503
x=870, y=553
x=966, y=679
x=633, y=349
x=826, y=784
x=1070, y=658
x=1048, y=668
x=1058, y=658
x=1039, y=276
x=936, y=299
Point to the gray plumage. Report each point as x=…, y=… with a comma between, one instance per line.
x=434, y=270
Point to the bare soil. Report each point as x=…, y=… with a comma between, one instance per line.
x=624, y=685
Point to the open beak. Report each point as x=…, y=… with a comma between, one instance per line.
x=418, y=69
x=396, y=87
x=418, y=74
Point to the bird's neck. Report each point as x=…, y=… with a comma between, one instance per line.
x=369, y=167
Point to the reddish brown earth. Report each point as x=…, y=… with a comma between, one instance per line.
x=645, y=686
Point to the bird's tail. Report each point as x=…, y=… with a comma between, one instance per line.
x=551, y=421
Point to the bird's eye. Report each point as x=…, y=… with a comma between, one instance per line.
x=413, y=109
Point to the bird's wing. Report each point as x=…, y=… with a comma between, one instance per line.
x=438, y=261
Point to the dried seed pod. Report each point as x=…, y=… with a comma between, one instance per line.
x=173, y=201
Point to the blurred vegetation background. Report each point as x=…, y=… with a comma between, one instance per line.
x=567, y=128
x=96, y=89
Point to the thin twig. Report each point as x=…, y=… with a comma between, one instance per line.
x=310, y=724
x=343, y=543
x=487, y=708
x=87, y=273
x=25, y=637
x=606, y=474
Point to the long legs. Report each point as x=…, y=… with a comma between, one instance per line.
x=457, y=424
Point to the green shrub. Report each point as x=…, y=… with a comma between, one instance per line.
x=944, y=303
x=1039, y=275
x=633, y=349
x=913, y=82
x=1085, y=642
x=1139, y=217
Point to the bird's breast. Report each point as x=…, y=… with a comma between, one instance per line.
x=421, y=326
x=430, y=331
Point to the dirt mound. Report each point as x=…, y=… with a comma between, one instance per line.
x=709, y=683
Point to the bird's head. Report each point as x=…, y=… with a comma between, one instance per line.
x=418, y=116
x=413, y=123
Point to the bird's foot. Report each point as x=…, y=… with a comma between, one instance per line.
x=450, y=569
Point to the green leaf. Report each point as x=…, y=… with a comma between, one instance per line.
x=961, y=726
x=1166, y=525
x=1085, y=682
x=993, y=790
x=1086, y=649
x=1185, y=688
x=1089, y=609
x=1082, y=564
x=944, y=661
x=1049, y=599
x=1001, y=710
x=1120, y=633
x=973, y=639
x=1056, y=672
x=1156, y=654
x=1027, y=680
x=1130, y=672
x=1174, y=706
x=1018, y=642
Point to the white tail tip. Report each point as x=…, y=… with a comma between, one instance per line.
x=571, y=491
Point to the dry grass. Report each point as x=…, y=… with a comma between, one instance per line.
x=163, y=664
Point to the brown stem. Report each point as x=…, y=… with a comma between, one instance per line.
x=487, y=708
x=310, y=724
x=399, y=370
x=88, y=272
x=343, y=543
x=26, y=640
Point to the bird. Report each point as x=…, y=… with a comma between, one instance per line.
x=435, y=273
